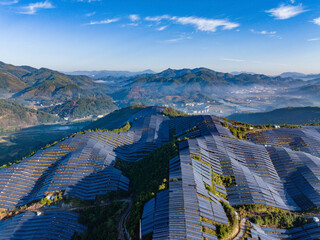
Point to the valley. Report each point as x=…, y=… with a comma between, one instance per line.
x=194, y=91
x=14, y=145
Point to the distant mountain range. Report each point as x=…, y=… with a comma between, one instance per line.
x=238, y=73
x=54, y=92
x=300, y=115
x=105, y=73
x=198, y=90
x=193, y=85
x=302, y=76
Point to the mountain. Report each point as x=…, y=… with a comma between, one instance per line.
x=47, y=86
x=238, y=73
x=82, y=107
x=181, y=86
x=297, y=75
x=292, y=115
x=17, y=71
x=65, y=95
x=10, y=83
x=116, y=119
x=156, y=177
x=209, y=77
x=196, y=90
x=10, y=77
x=105, y=73
x=308, y=91
x=13, y=115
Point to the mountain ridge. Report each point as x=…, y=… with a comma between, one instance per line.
x=290, y=115
x=97, y=74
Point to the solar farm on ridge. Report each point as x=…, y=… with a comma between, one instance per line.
x=278, y=168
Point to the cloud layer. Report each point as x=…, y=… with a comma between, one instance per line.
x=134, y=17
x=207, y=25
x=286, y=11
x=105, y=21
x=32, y=8
x=264, y=32
x=8, y=2
x=316, y=21
x=201, y=24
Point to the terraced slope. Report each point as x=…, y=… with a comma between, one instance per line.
x=210, y=175
x=215, y=170
x=81, y=166
x=308, y=231
x=77, y=161
x=30, y=226
x=304, y=139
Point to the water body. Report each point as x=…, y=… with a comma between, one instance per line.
x=15, y=145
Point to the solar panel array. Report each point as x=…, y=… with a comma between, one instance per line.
x=274, y=176
x=85, y=161
x=148, y=133
x=51, y=225
x=304, y=139
x=201, y=125
x=82, y=165
x=263, y=174
x=305, y=232
x=183, y=210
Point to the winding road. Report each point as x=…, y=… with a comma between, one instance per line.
x=242, y=229
x=123, y=232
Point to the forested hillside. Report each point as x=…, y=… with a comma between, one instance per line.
x=13, y=115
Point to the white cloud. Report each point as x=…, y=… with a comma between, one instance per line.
x=316, y=21
x=232, y=60
x=286, y=11
x=89, y=1
x=134, y=17
x=106, y=21
x=292, y=1
x=32, y=8
x=202, y=24
x=313, y=39
x=8, y=2
x=207, y=25
x=158, y=18
x=162, y=28
x=264, y=32
x=174, y=40
x=90, y=14
x=271, y=34
x=131, y=24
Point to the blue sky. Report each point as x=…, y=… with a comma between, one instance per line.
x=263, y=36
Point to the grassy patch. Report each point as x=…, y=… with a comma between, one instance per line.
x=172, y=113
x=273, y=217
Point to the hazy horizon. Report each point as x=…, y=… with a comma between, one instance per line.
x=159, y=71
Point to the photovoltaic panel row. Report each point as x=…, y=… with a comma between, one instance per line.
x=51, y=225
